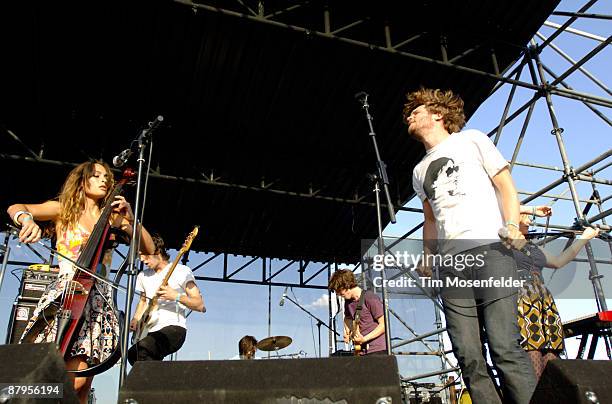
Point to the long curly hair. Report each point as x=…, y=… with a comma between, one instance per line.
x=72, y=194
x=437, y=101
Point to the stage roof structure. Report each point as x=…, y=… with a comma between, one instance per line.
x=263, y=143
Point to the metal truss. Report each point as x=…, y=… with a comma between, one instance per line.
x=271, y=268
x=211, y=180
x=305, y=272
x=348, y=33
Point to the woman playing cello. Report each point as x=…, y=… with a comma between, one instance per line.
x=81, y=200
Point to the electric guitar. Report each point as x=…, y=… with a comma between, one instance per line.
x=357, y=348
x=151, y=314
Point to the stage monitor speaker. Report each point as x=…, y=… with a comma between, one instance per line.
x=574, y=381
x=27, y=364
x=373, y=379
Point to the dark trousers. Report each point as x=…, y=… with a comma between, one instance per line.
x=157, y=345
x=468, y=311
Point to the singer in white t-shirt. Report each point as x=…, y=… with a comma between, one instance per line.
x=469, y=199
x=167, y=334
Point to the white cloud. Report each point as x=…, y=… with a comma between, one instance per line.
x=323, y=302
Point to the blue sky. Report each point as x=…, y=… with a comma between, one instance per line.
x=237, y=309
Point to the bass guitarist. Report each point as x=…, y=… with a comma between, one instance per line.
x=368, y=332
x=167, y=332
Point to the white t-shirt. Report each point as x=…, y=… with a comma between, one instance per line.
x=148, y=281
x=455, y=177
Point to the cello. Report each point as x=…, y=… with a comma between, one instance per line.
x=69, y=307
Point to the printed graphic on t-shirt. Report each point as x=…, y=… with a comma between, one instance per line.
x=442, y=180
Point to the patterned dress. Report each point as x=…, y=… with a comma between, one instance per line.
x=539, y=320
x=99, y=334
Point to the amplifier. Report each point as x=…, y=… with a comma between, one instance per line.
x=22, y=311
x=34, y=283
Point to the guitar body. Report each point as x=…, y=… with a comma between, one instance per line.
x=148, y=320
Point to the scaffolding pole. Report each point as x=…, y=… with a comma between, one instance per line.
x=594, y=275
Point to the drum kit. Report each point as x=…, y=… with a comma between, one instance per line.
x=274, y=344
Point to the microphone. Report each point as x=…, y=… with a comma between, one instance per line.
x=120, y=159
x=504, y=235
x=282, y=300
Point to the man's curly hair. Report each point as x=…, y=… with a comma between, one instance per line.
x=437, y=101
x=342, y=279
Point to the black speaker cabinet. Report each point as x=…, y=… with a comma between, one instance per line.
x=373, y=379
x=30, y=364
x=575, y=381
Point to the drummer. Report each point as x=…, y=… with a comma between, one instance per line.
x=247, y=346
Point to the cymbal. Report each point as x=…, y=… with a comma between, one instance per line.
x=274, y=343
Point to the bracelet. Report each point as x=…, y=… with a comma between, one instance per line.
x=178, y=297
x=510, y=223
x=18, y=214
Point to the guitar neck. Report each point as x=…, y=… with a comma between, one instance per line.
x=154, y=299
x=171, y=270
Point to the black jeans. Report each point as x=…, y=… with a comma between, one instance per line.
x=158, y=344
x=468, y=311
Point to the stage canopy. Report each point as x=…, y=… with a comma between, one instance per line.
x=263, y=142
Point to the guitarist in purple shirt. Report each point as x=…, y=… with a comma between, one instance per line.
x=167, y=328
x=365, y=327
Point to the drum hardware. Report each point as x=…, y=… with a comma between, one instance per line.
x=297, y=355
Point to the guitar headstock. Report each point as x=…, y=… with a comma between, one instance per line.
x=187, y=244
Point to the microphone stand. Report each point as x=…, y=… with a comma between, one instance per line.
x=319, y=321
x=379, y=179
x=142, y=142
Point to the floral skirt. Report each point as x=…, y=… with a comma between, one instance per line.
x=539, y=320
x=99, y=334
